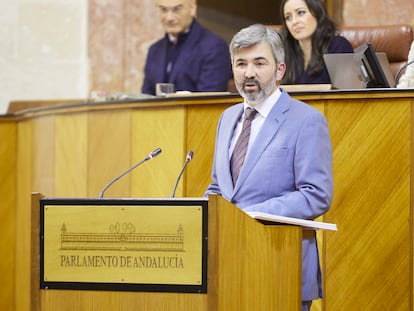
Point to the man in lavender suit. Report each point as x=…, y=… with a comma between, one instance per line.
x=189, y=56
x=288, y=167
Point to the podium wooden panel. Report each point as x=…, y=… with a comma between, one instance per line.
x=250, y=266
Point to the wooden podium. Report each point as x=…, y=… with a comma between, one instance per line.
x=246, y=265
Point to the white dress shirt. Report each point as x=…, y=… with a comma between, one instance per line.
x=263, y=110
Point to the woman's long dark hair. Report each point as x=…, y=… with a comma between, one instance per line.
x=326, y=29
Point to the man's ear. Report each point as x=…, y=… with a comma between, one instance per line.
x=193, y=8
x=280, y=71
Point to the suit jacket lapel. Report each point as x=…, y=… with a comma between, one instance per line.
x=269, y=129
x=161, y=61
x=228, y=125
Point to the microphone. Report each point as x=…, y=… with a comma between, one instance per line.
x=188, y=158
x=153, y=154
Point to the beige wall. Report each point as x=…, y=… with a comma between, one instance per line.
x=43, y=49
x=53, y=49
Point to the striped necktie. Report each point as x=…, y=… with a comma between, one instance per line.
x=240, y=149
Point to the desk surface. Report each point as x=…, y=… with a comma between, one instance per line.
x=30, y=107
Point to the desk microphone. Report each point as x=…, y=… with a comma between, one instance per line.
x=188, y=158
x=153, y=154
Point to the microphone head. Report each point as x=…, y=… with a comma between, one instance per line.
x=189, y=156
x=154, y=153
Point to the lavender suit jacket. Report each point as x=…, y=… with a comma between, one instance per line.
x=287, y=172
x=203, y=63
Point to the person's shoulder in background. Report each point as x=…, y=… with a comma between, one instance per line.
x=340, y=44
x=208, y=37
x=407, y=79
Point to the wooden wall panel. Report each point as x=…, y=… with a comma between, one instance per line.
x=108, y=152
x=153, y=128
x=23, y=215
x=368, y=259
x=44, y=144
x=71, y=156
x=8, y=157
x=202, y=125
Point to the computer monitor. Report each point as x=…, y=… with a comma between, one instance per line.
x=369, y=67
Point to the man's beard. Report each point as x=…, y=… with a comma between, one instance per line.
x=263, y=90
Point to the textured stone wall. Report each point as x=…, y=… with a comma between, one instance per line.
x=377, y=12
x=120, y=33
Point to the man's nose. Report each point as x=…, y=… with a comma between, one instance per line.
x=170, y=15
x=250, y=71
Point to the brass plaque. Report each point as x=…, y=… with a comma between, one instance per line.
x=134, y=246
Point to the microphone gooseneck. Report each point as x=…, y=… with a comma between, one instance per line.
x=153, y=154
x=188, y=158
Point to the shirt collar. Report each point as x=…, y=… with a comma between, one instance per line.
x=172, y=38
x=264, y=107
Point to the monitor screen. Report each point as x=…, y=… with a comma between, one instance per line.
x=369, y=67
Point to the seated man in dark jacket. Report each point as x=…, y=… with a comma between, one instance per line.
x=189, y=56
